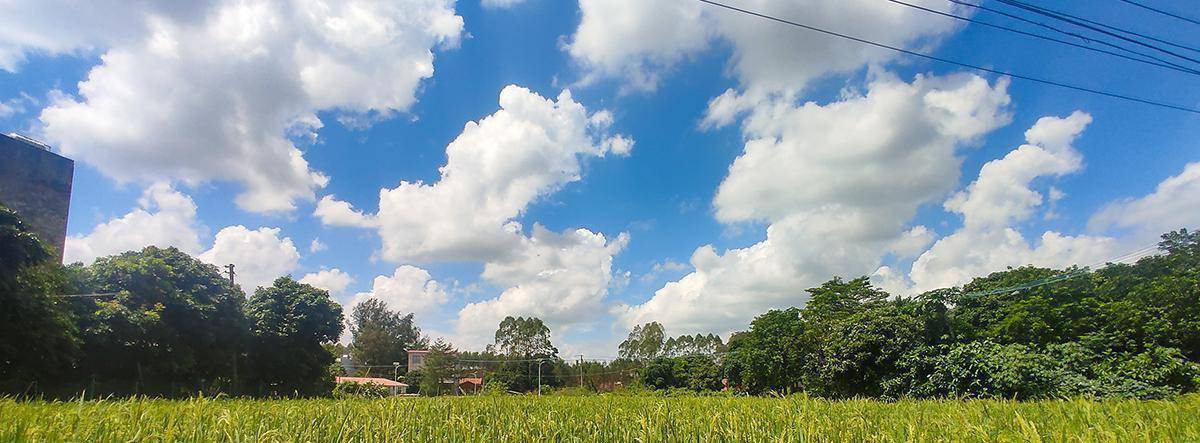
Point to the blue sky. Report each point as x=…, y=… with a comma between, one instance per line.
x=1089, y=187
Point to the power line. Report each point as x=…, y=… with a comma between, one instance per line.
x=1159, y=63
x=1160, y=11
x=504, y=360
x=1088, y=39
x=1088, y=24
x=1133, y=255
x=952, y=62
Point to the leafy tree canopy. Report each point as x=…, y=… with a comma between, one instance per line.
x=289, y=322
x=644, y=342
x=525, y=337
x=382, y=336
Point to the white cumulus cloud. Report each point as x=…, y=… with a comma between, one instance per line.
x=259, y=256
x=561, y=278
x=409, y=290
x=334, y=212
x=1003, y=195
x=641, y=40
x=333, y=280
x=1174, y=204
x=495, y=168
x=164, y=217
x=836, y=185
x=218, y=90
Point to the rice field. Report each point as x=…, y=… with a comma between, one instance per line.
x=599, y=418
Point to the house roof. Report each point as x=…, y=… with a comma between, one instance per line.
x=371, y=381
x=473, y=380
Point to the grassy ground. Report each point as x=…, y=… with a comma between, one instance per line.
x=599, y=418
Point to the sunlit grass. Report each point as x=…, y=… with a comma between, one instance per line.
x=600, y=418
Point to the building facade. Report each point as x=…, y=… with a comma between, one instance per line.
x=416, y=359
x=36, y=183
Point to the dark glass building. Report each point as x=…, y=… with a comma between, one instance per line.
x=36, y=183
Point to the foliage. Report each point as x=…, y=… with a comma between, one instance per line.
x=382, y=336
x=693, y=372
x=525, y=337
x=602, y=418
x=439, y=369
x=1122, y=331
x=346, y=390
x=693, y=344
x=38, y=338
x=175, y=325
x=288, y=323
x=645, y=342
x=770, y=356
x=860, y=351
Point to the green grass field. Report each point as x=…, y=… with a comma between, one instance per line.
x=599, y=418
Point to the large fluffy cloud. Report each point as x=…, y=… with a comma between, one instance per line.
x=529, y=148
x=218, y=90
x=1002, y=196
x=333, y=280
x=836, y=184
x=164, y=217
x=69, y=27
x=495, y=168
x=1174, y=204
x=639, y=40
x=334, y=212
x=561, y=278
x=408, y=289
x=259, y=255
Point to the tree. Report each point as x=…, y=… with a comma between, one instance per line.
x=382, y=336
x=645, y=342
x=38, y=338
x=439, y=367
x=693, y=344
x=525, y=337
x=175, y=324
x=289, y=324
x=770, y=356
x=861, y=350
x=693, y=372
x=837, y=298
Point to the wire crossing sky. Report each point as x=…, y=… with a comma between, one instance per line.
x=966, y=65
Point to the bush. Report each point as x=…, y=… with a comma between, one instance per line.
x=359, y=390
x=980, y=369
x=692, y=372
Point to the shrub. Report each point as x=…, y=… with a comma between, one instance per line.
x=359, y=390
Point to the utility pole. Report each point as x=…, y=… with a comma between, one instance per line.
x=580, y=371
x=540, y=376
x=230, y=272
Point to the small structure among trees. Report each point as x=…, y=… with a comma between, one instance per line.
x=391, y=387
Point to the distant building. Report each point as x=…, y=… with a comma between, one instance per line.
x=416, y=359
x=470, y=385
x=347, y=362
x=393, y=387
x=36, y=183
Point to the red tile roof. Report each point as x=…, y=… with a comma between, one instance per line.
x=472, y=380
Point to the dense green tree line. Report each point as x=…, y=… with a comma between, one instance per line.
x=1120, y=331
x=155, y=321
